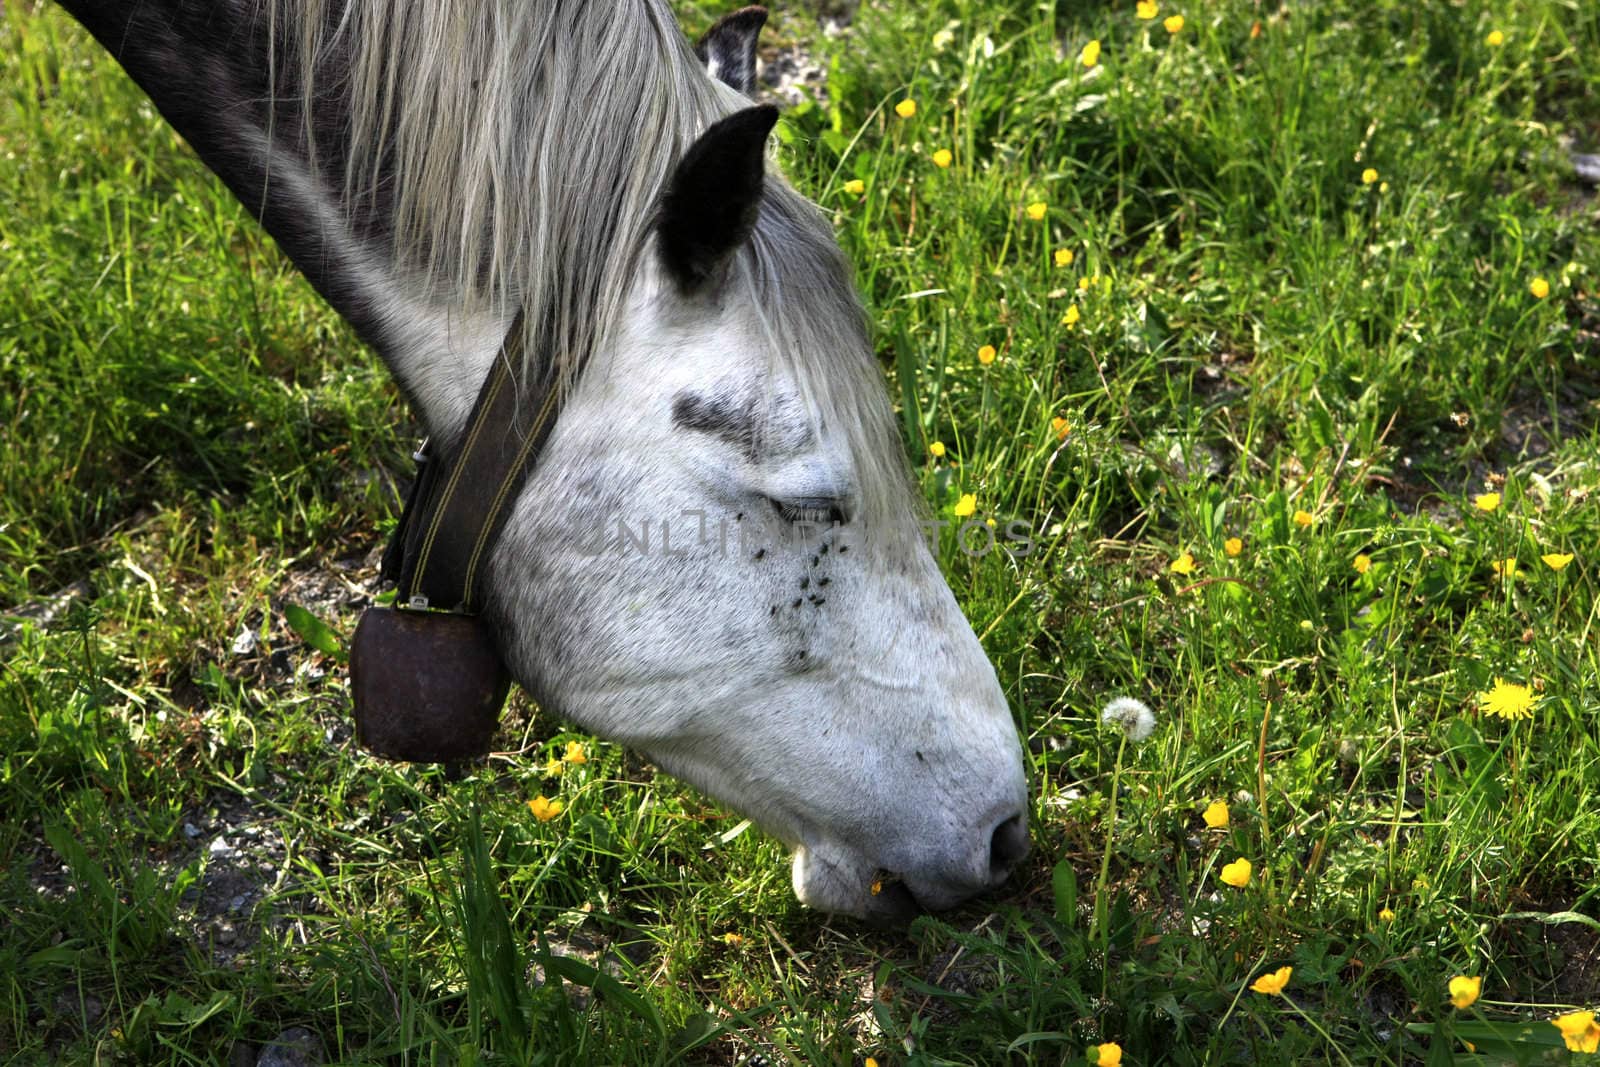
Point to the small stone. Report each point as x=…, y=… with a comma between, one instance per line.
x=245, y=643
x=295, y=1047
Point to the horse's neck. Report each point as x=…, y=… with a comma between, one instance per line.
x=208, y=66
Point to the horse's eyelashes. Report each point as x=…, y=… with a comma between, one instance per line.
x=812, y=511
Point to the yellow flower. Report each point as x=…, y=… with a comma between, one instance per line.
x=1505, y=568
x=733, y=939
x=1369, y=176
x=1233, y=546
x=1539, y=288
x=543, y=809
x=1304, y=518
x=575, y=753
x=1386, y=915
x=1146, y=9
x=1362, y=563
x=1090, y=54
x=855, y=186
x=1486, y=501
x=986, y=355
x=1072, y=316
x=1037, y=209
x=1578, y=1030
x=1383, y=187
x=870, y=1062
x=1237, y=874
x=1507, y=700
x=1064, y=257
x=1495, y=39
x=937, y=449
x=554, y=767
x=966, y=505
x=1555, y=560
x=906, y=108
x=1464, y=991
x=942, y=158
x=1216, y=814
x=1174, y=23
x=1184, y=564
x=1110, y=1053
x=1061, y=426
x=1272, y=984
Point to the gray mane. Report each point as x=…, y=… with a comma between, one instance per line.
x=521, y=149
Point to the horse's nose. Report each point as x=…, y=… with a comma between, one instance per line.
x=1008, y=844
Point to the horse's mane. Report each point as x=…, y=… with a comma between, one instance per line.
x=520, y=148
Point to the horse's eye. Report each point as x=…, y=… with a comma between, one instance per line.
x=810, y=511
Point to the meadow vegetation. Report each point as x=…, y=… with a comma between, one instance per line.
x=1275, y=325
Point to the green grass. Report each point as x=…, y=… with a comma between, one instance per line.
x=190, y=442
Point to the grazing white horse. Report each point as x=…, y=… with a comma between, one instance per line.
x=718, y=558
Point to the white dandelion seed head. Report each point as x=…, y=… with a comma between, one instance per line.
x=1133, y=717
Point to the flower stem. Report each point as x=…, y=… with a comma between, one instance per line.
x=1098, y=923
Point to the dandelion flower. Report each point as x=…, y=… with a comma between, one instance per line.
x=1061, y=426
x=1064, y=257
x=1495, y=39
x=1072, y=316
x=1133, y=717
x=1464, y=991
x=733, y=939
x=1184, y=564
x=1174, y=23
x=1507, y=700
x=906, y=108
x=1237, y=874
x=1110, y=1053
x=1216, y=815
x=1304, y=518
x=942, y=158
x=1146, y=9
x=855, y=186
x=1233, y=546
x=1362, y=563
x=1539, y=288
x=1486, y=501
x=1369, y=176
x=1556, y=561
x=1386, y=915
x=1272, y=984
x=986, y=355
x=1037, y=209
x=1578, y=1030
x=545, y=809
x=1505, y=568
x=936, y=450
x=575, y=753
x=1090, y=56
x=966, y=505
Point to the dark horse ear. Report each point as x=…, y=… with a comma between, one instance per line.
x=729, y=48
x=715, y=195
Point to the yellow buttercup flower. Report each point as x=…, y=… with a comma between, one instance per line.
x=733, y=939
x=1486, y=501
x=1556, y=561
x=1090, y=54
x=942, y=158
x=1507, y=700
x=937, y=449
x=1108, y=1055
x=855, y=186
x=906, y=108
x=986, y=355
x=1237, y=874
x=554, y=767
x=1362, y=563
x=545, y=809
x=1464, y=990
x=1184, y=564
x=1539, y=288
x=1369, y=176
x=1173, y=23
x=1064, y=257
x=1037, y=209
x=1233, y=546
x=1146, y=9
x=1215, y=815
x=966, y=505
x=1578, y=1030
x=575, y=753
x=1495, y=39
x=1304, y=518
x=1505, y=568
x=1386, y=915
x=1072, y=316
x=1061, y=426
x=1272, y=984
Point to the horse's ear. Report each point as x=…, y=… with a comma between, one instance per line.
x=729, y=48
x=715, y=195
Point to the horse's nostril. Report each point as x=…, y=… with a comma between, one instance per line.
x=1007, y=847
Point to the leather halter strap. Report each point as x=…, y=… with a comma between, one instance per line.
x=461, y=498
